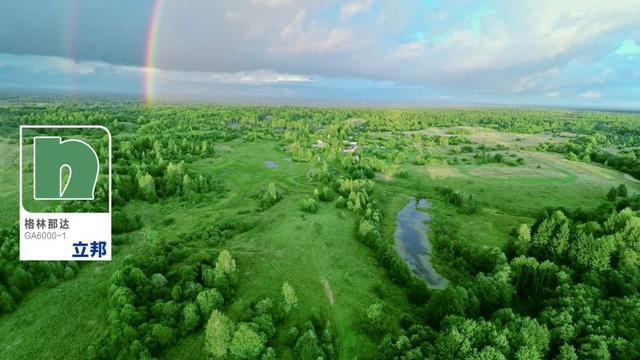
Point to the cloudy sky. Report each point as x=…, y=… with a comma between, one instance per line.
x=386, y=52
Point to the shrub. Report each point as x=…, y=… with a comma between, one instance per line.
x=309, y=205
x=325, y=194
x=270, y=196
x=465, y=202
x=123, y=223
x=402, y=174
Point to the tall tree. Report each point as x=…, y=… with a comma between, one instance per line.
x=218, y=335
x=289, y=296
x=246, y=343
x=225, y=266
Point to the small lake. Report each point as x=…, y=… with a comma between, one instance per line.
x=270, y=164
x=413, y=244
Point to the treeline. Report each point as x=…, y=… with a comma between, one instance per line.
x=161, y=296
x=498, y=158
x=216, y=233
x=227, y=122
x=17, y=278
x=175, y=289
x=567, y=288
x=252, y=336
x=527, y=121
x=354, y=188
x=146, y=165
x=356, y=195
x=599, y=148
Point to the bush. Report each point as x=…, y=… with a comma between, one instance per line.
x=622, y=190
x=375, y=318
x=270, y=196
x=122, y=222
x=325, y=194
x=341, y=203
x=402, y=174
x=309, y=205
x=465, y=202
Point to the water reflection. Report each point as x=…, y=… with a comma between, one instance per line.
x=413, y=244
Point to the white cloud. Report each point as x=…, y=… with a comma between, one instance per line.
x=53, y=64
x=537, y=81
x=294, y=26
x=335, y=40
x=299, y=38
x=72, y=67
x=271, y=3
x=514, y=43
x=591, y=95
x=354, y=7
x=552, y=94
x=534, y=31
x=255, y=77
x=407, y=51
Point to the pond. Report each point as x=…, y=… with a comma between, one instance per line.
x=413, y=244
x=270, y=164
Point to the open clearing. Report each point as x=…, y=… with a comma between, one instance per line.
x=493, y=137
x=514, y=195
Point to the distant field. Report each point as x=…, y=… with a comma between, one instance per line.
x=514, y=195
x=488, y=136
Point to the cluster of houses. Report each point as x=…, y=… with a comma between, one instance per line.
x=348, y=146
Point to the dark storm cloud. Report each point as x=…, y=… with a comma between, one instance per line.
x=110, y=31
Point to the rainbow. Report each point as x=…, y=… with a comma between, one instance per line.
x=150, y=50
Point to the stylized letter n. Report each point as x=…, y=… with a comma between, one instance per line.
x=50, y=156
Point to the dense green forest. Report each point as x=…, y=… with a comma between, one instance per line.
x=271, y=232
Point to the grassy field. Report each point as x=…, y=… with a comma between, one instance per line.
x=510, y=196
x=317, y=253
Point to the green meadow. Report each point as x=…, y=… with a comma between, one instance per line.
x=286, y=195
